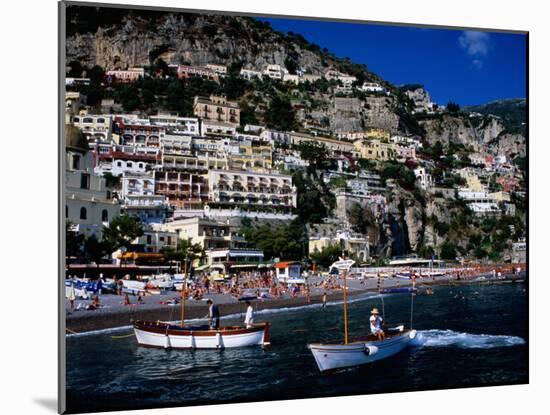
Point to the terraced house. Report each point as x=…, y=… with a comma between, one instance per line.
x=217, y=108
x=231, y=188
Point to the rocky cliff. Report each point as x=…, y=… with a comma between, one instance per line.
x=138, y=40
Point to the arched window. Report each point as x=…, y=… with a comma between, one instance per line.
x=83, y=213
x=104, y=216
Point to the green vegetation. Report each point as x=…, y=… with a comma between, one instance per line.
x=286, y=242
x=327, y=256
x=280, y=114
x=315, y=201
x=121, y=232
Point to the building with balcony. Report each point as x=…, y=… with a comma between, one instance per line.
x=250, y=74
x=217, y=108
x=274, y=71
x=118, y=159
x=127, y=76
x=178, y=125
x=232, y=188
x=139, y=132
x=155, y=240
x=251, y=156
x=354, y=244
x=88, y=202
x=150, y=209
x=424, y=179
x=208, y=233
x=187, y=71
x=376, y=150
x=95, y=127
x=217, y=128
x=372, y=87
x=182, y=189
x=219, y=69
x=233, y=260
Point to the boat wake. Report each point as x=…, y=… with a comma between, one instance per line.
x=446, y=338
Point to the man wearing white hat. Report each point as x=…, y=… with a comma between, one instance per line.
x=376, y=325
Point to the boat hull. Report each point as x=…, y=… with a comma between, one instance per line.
x=169, y=336
x=338, y=356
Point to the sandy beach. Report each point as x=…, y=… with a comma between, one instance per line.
x=113, y=313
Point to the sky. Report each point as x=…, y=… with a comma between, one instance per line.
x=467, y=67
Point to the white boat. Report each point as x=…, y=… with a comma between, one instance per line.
x=168, y=336
x=360, y=351
x=134, y=285
x=161, y=281
x=171, y=336
x=363, y=350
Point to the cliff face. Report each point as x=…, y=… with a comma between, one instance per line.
x=182, y=38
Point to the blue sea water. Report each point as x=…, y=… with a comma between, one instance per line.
x=467, y=336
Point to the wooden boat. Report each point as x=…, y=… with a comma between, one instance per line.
x=361, y=350
x=159, y=334
x=166, y=335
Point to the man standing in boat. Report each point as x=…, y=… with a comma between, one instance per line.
x=249, y=316
x=213, y=315
x=376, y=325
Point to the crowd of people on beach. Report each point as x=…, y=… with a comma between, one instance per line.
x=264, y=285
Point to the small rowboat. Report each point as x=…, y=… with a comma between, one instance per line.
x=361, y=351
x=165, y=335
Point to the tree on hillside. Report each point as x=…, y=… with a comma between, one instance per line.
x=122, y=231
x=315, y=153
x=280, y=114
x=453, y=107
x=327, y=256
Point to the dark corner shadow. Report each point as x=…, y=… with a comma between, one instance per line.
x=48, y=403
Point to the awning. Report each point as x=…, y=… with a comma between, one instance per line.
x=244, y=266
x=201, y=268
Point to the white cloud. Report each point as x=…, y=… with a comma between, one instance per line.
x=476, y=45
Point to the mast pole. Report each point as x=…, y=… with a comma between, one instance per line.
x=184, y=291
x=345, y=308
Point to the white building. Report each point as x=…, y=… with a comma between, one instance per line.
x=155, y=240
x=291, y=78
x=235, y=188
x=372, y=87
x=355, y=244
x=178, y=125
x=217, y=128
x=219, y=69
x=88, y=202
x=94, y=127
x=250, y=74
x=274, y=71
x=424, y=178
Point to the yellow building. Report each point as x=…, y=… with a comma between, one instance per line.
x=376, y=150
x=378, y=134
x=472, y=180
x=252, y=156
